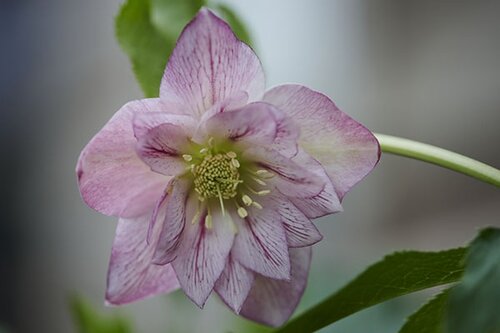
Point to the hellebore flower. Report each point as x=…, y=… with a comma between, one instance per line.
x=216, y=181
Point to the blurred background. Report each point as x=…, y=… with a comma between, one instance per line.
x=428, y=70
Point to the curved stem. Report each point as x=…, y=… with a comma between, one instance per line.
x=442, y=157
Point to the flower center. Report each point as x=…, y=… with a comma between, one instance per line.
x=217, y=176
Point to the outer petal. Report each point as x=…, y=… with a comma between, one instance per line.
x=290, y=177
x=299, y=229
x=346, y=149
x=202, y=256
x=325, y=202
x=234, y=284
x=175, y=205
x=112, y=178
x=210, y=64
x=144, y=122
x=260, y=244
x=272, y=302
x=131, y=276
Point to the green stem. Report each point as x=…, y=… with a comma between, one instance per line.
x=442, y=157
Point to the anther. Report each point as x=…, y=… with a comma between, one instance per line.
x=257, y=205
x=187, y=157
x=235, y=163
x=203, y=150
x=259, y=181
x=231, y=154
x=208, y=221
x=242, y=212
x=246, y=200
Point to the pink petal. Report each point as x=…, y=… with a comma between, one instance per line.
x=346, y=149
x=162, y=149
x=131, y=275
x=209, y=64
x=233, y=102
x=299, y=229
x=260, y=244
x=287, y=134
x=202, y=256
x=234, y=284
x=159, y=207
x=144, y=122
x=112, y=178
x=255, y=124
x=175, y=205
x=289, y=177
x=272, y=302
x=324, y=203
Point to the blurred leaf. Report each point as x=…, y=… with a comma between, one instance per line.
x=170, y=16
x=429, y=318
x=474, y=304
x=147, y=31
x=235, y=22
x=396, y=275
x=89, y=321
x=3, y=329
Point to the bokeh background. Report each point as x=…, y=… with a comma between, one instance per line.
x=427, y=70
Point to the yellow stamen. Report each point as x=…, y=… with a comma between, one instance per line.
x=257, y=205
x=187, y=157
x=221, y=202
x=246, y=200
x=231, y=154
x=211, y=142
x=208, y=221
x=242, y=212
x=259, y=181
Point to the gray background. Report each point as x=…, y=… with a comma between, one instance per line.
x=428, y=70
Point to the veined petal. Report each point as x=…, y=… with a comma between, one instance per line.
x=287, y=134
x=162, y=148
x=299, y=229
x=260, y=244
x=290, y=177
x=112, y=178
x=325, y=202
x=176, y=204
x=202, y=255
x=234, y=102
x=131, y=275
x=346, y=149
x=272, y=302
x=234, y=284
x=210, y=64
x=144, y=122
x=251, y=125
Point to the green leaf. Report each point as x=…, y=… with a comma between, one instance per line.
x=475, y=303
x=429, y=318
x=89, y=321
x=147, y=31
x=396, y=275
x=235, y=22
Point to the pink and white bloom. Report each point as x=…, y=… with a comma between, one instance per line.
x=216, y=181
